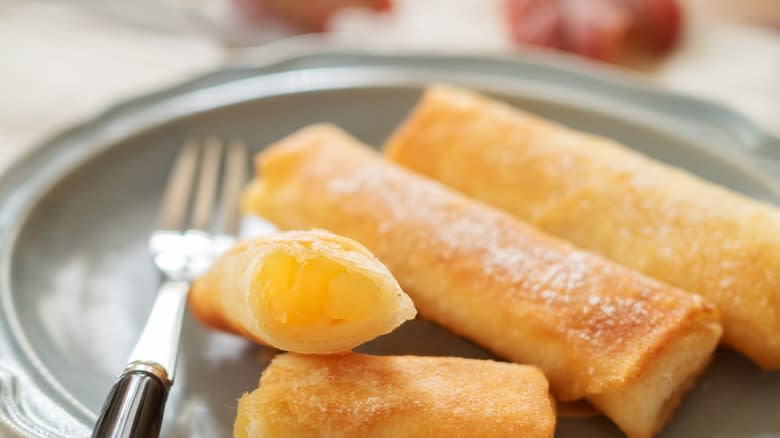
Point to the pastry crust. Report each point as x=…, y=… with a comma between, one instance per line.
x=594, y=327
x=358, y=395
x=608, y=199
x=226, y=297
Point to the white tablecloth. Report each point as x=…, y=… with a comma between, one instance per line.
x=61, y=64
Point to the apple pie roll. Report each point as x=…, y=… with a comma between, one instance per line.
x=307, y=291
x=358, y=395
x=605, y=198
x=629, y=344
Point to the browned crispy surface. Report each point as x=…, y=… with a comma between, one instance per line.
x=358, y=395
x=700, y=237
x=608, y=199
x=593, y=326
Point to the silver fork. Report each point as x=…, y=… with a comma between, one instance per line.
x=182, y=251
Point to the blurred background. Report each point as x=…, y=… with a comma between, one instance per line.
x=64, y=61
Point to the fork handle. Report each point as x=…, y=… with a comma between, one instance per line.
x=134, y=407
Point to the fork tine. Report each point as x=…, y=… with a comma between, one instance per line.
x=207, y=180
x=235, y=175
x=177, y=190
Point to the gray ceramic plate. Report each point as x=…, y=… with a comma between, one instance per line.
x=76, y=284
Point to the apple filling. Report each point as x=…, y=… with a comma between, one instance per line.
x=313, y=291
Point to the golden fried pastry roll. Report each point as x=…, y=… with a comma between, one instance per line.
x=629, y=344
x=357, y=395
x=307, y=291
x=610, y=200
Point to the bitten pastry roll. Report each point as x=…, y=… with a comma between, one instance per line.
x=605, y=198
x=307, y=291
x=629, y=344
x=357, y=395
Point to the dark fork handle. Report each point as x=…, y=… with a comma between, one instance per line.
x=134, y=408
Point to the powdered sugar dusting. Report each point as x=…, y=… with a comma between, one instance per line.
x=348, y=395
x=350, y=185
x=415, y=223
